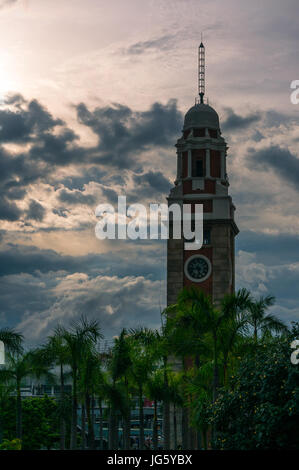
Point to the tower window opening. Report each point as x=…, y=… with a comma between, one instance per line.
x=198, y=163
x=198, y=168
x=213, y=133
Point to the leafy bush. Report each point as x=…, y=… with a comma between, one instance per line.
x=40, y=422
x=15, y=444
x=260, y=410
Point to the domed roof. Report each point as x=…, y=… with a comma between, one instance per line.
x=201, y=115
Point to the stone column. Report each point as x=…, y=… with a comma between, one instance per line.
x=189, y=163
x=208, y=163
x=179, y=165
x=223, y=170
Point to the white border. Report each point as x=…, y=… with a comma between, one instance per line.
x=203, y=278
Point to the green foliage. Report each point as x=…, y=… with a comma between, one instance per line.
x=260, y=410
x=15, y=444
x=40, y=422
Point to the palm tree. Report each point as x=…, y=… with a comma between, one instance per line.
x=19, y=367
x=235, y=307
x=55, y=352
x=155, y=389
x=197, y=316
x=78, y=340
x=198, y=384
x=89, y=379
x=117, y=401
x=12, y=339
x=195, y=326
x=144, y=357
x=176, y=397
x=101, y=396
x=262, y=322
x=119, y=366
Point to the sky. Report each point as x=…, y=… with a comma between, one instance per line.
x=92, y=100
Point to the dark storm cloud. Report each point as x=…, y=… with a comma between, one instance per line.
x=154, y=179
x=9, y=210
x=16, y=259
x=284, y=163
x=111, y=195
x=270, y=249
x=108, y=299
x=59, y=149
x=35, y=211
x=162, y=43
x=124, y=133
x=150, y=184
x=32, y=281
x=76, y=197
x=23, y=259
x=14, y=99
x=22, y=125
x=264, y=120
x=15, y=193
x=25, y=122
x=274, y=119
x=61, y=211
x=234, y=122
x=24, y=293
x=16, y=173
x=96, y=174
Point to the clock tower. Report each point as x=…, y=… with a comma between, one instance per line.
x=202, y=179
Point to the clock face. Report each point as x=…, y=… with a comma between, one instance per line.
x=198, y=268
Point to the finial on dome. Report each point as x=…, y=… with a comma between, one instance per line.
x=201, y=70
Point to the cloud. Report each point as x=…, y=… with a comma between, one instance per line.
x=251, y=274
x=24, y=124
x=47, y=144
x=270, y=249
x=115, y=302
x=150, y=184
x=123, y=259
x=35, y=211
x=40, y=148
x=16, y=259
x=76, y=197
x=280, y=160
x=162, y=43
x=269, y=264
x=234, y=122
x=9, y=210
x=41, y=287
x=123, y=133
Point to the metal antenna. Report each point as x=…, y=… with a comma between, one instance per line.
x=201, y=71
